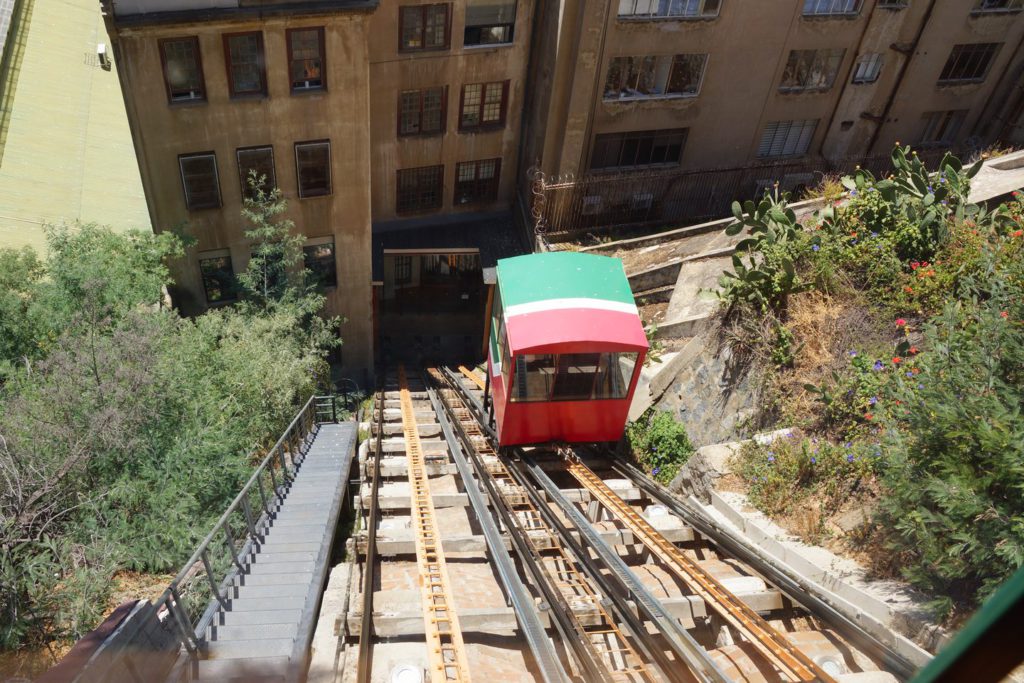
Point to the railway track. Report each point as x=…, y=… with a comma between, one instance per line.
x=561, y=564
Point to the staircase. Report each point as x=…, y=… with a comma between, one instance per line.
x=264, y=632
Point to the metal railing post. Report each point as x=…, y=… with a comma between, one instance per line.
x=263, y=493
x=247, y=511
x=209, y=577
x=189, y=638
x=280, y=460
x=229, y=541
x=334, y=408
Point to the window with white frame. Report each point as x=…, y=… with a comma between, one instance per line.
x=661, y=76
x=808, y=70
x=941, y=127
x=669, y=9
x=787, y=138
x=867, y=68
x=830, y=8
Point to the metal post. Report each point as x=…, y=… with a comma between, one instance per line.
x=280, y=459
x=247, y=510
x=273, y=480
x=189, y=638
x=334, y=408
x=263, y=494
x=209, y=577
x=229, y=541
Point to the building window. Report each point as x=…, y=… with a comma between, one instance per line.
x=183, y=69
x=647, y=77
x=218, y=278
x=199, y=180
x=811, y=70
x=638, y=149
x=243, y=55
x=422, y=111
x=483, y=105
x=423, y=28
x=968, y=63
x=489, y=23
x=420, y=189
x=257, y=162
x=831, y=8
x=306, y=59
x=893, y=4
x=867, y=68
x=941, y=127
x=319, y=261
x=669, y=9
x=403, y=270
x=787, y=138
x=998, y=6
x=313, y=168
x=476, y=182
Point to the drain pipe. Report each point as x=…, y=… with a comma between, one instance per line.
x=899, y=78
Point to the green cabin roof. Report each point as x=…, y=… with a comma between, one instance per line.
x=562, y=275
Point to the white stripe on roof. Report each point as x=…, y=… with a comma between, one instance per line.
x=568, y=303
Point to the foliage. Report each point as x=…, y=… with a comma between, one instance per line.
x=655, y=347
x=127, y=429
x=659, y=443
x=956, y=440
x=769, y=276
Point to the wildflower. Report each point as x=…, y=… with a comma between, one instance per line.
x=853, y=234
x=850, y=458
x=920, y=386
x=896, y=360
x=853, y=193
x=868, y=416
x=878, y=454
x=913, y=349
x=848, y=444
x=853, y=354
x=908, y=289
x=771, y=458
x=914, y=265
x=1017, y=233
x=815, y=247
x=910, y=373
x=656, y=470
x=874, y=234
x=1004, y=314
x=873, y=400
x=878, y=365
x=900, y=322
x=814, y=461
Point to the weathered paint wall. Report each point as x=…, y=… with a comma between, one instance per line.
x=748, y=45
x=221, y=125
x=66, y=151
x=392, y=71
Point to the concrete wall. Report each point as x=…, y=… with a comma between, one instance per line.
x=392, y=71
x=341, y=115
x=748, y=45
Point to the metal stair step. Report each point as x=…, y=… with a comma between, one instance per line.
x=304, y=533
x=252, y=603
x=249, y=669
x=274, y=591
x=280, y=579
x=271, y=554
x=281, y=567
x=287, y=546
x=256, y=617
x=255, y=632
x=290, y=521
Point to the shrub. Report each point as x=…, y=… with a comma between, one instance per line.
x=659, y=443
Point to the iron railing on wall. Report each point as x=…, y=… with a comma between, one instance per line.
x=566, y=207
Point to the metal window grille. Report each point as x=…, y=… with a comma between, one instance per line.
x=787, y=138
x=941, y=127
x=423, y=28
x=811, y=69
x=313, y=168
x=244, y=53
x=477, y=181
x=662, y=76
x=199, y=180
x=999, y=6
x=638, y=149
x=672, y=9
x=420, y=189
x=819, y=8
x=868, y=68
x=969, y=62
x=403, y=270
x=306, y=58
x=182, y=69
x=261, y=161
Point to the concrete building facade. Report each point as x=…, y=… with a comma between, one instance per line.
x=724, y=83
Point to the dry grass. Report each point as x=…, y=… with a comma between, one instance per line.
x=830, y=188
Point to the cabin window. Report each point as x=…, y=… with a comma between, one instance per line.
x=573, y=376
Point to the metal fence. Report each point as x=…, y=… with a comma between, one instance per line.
x=566, y=207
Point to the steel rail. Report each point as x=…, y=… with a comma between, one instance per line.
x=563, y=617
x=799, y=589
x=364, y=666
x=769, y=642
x=446, y=650
x=682, y=643
x=544, y=654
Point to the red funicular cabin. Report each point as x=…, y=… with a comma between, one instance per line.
x=566, y=345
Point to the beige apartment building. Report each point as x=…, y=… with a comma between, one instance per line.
x=703, y=84
x=401, y=131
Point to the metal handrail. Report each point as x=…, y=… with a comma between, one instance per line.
x=285, y=455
